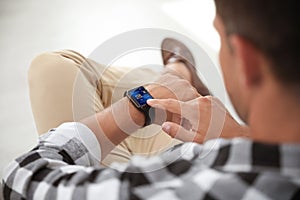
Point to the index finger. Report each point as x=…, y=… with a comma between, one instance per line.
x=171, y=105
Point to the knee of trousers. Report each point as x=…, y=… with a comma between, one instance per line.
x=46, y=65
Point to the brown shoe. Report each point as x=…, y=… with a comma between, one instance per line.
x=174, y=51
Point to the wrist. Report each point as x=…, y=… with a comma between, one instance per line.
x=138, y=100
x=136, y=115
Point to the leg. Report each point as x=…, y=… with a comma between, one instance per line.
x=65, y=86
x=51, y=82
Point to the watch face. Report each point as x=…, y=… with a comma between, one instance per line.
x=140, y=95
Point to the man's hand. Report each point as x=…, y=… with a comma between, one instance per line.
x=198, y=120
x=172, y=87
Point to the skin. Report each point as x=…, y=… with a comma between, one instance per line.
x=268, y=107
x=117, y=122
x=105, y=126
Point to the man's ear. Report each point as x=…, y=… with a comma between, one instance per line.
x=247, y=60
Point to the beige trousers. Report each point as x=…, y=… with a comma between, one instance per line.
x=65, y=86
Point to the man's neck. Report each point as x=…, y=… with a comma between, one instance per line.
x=275, y=117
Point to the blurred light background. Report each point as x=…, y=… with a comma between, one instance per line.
x=30, y=27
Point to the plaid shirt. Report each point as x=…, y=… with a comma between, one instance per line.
x=65, y=166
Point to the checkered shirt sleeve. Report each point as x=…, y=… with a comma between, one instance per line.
x=65, y=165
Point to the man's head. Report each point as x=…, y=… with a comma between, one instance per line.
x=260, y=44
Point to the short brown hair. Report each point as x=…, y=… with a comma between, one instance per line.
x=273, y=26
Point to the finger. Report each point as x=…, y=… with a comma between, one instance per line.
x=186, y=124
x=176, y=118
x=178, y=132
x=171, y=105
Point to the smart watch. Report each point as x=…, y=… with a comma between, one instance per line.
x=139, y=96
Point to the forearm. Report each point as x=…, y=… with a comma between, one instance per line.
x=60, y=167
x=114, y=124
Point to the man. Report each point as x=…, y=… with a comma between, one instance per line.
x=261, y=75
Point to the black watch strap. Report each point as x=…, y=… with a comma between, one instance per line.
x=149, y=114
x=147, y=110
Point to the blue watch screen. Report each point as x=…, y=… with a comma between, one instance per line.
x=140, y=95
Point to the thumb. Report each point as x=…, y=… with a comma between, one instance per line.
x=179, y=132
